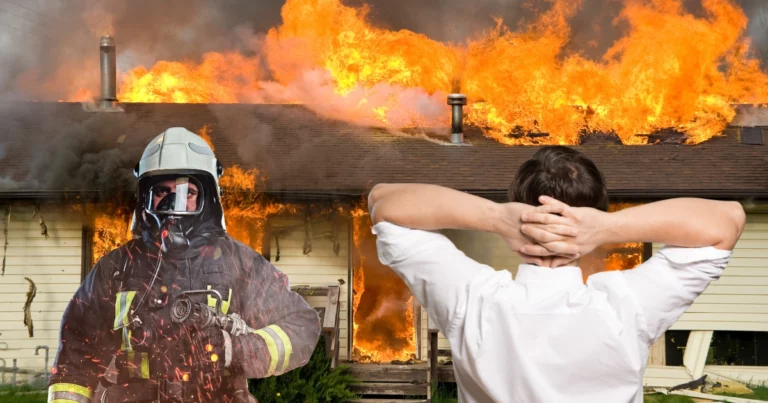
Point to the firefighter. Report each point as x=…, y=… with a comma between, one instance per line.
x=187, y=313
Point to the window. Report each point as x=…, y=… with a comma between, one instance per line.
x=674, y=346
x=738, y=348
x=614, y=256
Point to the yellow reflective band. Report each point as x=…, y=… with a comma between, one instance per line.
x=272, y=347
x=71, y=387
x=286, y=344
x=118, y=309
x=126, y=343
x=224, y=304
x=145, y=365
x=141, y=369
x=123, y=302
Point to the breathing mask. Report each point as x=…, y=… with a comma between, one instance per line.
x=174, y=203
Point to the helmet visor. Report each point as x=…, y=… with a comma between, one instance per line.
x=182, y=195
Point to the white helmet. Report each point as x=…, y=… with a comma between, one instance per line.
x=174, y=153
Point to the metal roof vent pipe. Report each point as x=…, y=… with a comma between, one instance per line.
x=457, y=102
x=107, y=52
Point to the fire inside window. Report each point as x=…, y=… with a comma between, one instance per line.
x=614, y=256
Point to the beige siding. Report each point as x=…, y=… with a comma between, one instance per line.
x=665, y=376
x=486, y=248
x=739, y=299
x=320, y=268
x=54, y=264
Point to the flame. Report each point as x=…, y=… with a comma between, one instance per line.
x=205, y=133
x=245, y=207
x=342, y=41
x=383, y=308
x=111, y=229
x=220, y=78
x=671, y=70
x=611, y=257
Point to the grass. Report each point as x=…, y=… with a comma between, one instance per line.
x=445, y=393
x=22, y=394
x=659, y=398
x=758, y=393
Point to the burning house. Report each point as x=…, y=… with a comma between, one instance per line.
x=302, y=151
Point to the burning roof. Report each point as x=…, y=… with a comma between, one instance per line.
x=669, y=65
x=49, y=148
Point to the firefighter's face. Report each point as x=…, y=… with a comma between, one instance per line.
x=163, y=188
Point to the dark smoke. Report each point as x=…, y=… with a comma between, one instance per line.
x=59, y=147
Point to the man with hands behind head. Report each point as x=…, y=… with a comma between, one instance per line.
x=546, y=336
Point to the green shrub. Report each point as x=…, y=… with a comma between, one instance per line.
x=312, y=383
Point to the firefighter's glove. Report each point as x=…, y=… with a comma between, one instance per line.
x=237, y=326
x=215, y=347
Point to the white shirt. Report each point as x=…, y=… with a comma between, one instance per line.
x=546, y=336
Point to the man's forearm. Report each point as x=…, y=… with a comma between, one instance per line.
x=431, y=207
x=684, y=222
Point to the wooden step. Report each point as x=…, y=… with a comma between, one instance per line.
x=389, y=389
x=416, y=373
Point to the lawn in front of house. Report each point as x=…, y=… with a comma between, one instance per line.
x=660, y=398
x=22, y=394
x=758, y=393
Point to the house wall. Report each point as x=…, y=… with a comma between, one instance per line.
x=321, y=267
x=739, y=299
x=54, y=264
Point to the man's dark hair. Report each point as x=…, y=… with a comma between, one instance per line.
x=562, y=173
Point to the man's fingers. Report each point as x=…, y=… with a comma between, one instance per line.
x=551, y=249
x=536, y=250
x=543, y=218
x=551, y=201
x=562, y=248
x=539, y=235
x=557, y=208
x=559, y=229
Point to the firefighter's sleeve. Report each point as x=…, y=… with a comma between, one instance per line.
x=86, y=343
x=285, y=328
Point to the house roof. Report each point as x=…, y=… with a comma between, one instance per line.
x=49, y=148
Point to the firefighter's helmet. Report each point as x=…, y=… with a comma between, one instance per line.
x=184, y=156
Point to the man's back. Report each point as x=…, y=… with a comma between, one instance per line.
x=546, y=336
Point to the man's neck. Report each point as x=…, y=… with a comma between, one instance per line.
x=547, y=262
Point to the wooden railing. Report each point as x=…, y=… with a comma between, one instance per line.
x=438, y=372
x=329, y=316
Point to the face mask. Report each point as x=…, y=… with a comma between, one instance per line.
x=173, y=213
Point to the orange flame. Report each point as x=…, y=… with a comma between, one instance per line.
x=205, y=133
x=383, y=308
x=111, y=230
x=220, y=78
x=671, y=70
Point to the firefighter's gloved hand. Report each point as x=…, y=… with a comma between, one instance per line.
x=215, y=346
x=236, y=326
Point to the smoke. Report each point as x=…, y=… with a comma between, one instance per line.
x=48, y=48
x=62, y=148
x=399, y=107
